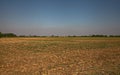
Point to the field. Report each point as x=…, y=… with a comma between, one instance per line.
x=60, y=56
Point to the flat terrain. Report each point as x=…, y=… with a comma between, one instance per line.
x=60, y=56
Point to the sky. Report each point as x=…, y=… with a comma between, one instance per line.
x=60, y=17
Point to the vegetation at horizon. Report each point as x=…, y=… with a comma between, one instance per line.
x=93, y=35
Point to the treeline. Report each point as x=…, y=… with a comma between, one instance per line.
x=14, y=35
x=7, y=35
x=96, y=36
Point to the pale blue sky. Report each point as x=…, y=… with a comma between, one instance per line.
x=60, y=17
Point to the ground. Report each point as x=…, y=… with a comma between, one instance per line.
x=60, y=56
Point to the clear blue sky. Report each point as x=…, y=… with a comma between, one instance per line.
x=60, y=17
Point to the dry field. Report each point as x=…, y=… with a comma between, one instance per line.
x=60, y=56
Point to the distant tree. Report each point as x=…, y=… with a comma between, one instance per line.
x=52, y=35
x=0, y=34
x=7, y=35
x=98, y=35
x=114, y=35
x=74, y=36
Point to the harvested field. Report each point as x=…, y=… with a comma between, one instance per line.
x=60, y=56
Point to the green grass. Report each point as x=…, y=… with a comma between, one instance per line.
x=61, y=44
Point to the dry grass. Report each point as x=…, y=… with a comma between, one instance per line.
x=60, y=56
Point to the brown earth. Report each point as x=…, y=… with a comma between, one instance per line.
x=60, y=56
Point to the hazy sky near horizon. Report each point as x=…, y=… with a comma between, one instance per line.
x=60, y=17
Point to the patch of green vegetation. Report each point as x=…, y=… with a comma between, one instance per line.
x=68, y=43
